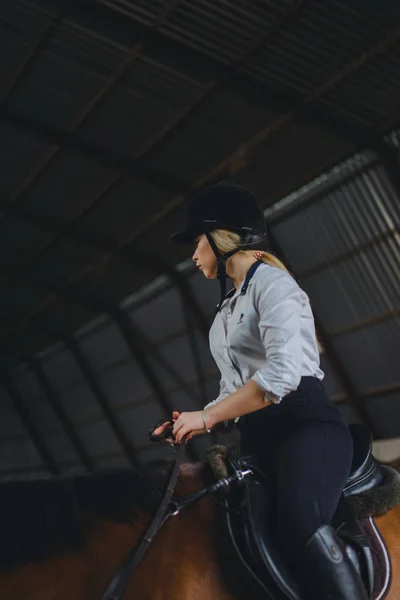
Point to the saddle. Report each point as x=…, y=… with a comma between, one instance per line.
x=249, y=518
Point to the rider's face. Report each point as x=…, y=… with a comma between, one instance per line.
x=205, y=258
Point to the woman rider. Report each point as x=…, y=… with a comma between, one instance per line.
x=264, y=342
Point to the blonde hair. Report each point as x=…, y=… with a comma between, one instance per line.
x=228, y=240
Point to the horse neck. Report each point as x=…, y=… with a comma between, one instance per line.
x=82, y=576
x=186, y=558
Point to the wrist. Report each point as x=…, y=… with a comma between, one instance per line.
x=209, y=418
x=207, y=425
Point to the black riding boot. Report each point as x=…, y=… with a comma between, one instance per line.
x=329, y=572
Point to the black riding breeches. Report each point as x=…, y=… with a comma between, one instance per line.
x=306, y=448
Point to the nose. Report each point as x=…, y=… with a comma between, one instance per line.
x=195, y=257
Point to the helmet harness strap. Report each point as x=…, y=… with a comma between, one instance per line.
x=221, y=266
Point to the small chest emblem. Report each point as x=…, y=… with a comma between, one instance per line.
x=240, y=319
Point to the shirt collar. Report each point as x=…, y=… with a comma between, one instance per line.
x=243, y=289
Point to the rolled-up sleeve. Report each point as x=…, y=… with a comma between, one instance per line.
x=223, y=393
x=280, y=306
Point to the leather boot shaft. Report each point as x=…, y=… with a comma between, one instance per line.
x=330, y=573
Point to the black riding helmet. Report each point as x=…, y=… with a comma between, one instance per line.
x=225, y=206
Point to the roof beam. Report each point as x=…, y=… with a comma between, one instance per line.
x=68, y=139
x=140, y=347
x=126, y=256
x=340, y=370
x=243, y=154
x=26, y=419
x=100, y=264
x=319, y=193
x=223, y=73
x=9, y=86
x=86, y=369
x=384, y=236
x=364, y=323
x=52, y=399
x=130, y=331
x=196, y=355
x=138, y=343
x=120, y=28
x=137, y=166
x=122, y=69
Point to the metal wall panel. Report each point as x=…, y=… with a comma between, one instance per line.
x=19, y=454
x=372, y=355
x=104, y=346
x=340, y=236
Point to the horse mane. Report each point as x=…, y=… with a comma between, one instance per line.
x=49, y=517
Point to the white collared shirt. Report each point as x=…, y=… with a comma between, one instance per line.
x=267, y=335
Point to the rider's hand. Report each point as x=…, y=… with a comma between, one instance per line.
x=164, y=426
x=188, y=423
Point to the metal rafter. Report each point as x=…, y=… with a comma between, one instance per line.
x=29, y=425
x=154, y=263
x=390, y=233
x=139, y=345
x=112, y=160
x=110, y=83
x=108, y=252
x=137, y=341
x=59, y=234
x=247, y=149
x=10, y=86
x=90, y=202
x=126, y=256
x=224, y=73
x=95, y=100
x=68, y=427
x=377, y=392
x=283, y=102
x=72, y=345
x=129, y=331
x=319, y=194
x=89, y=205
x=364, y=323
x=382, y=391
x=196, y=355
x=132, y=331
x=99, y=265
x=244, y=154
x=337, y=364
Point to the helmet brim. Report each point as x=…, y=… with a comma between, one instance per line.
x=185, y=237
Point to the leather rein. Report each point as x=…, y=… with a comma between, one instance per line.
x=168, y=508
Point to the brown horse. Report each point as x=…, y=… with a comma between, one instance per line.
x=64, y=539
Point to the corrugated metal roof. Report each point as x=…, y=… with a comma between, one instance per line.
x=111, y=118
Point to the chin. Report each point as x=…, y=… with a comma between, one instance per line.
x=210, y=274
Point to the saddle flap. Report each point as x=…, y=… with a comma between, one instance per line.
x=259, y=523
